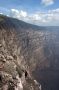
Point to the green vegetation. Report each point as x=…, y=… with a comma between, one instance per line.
x=2, y=17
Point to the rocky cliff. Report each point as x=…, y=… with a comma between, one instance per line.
x=14, y=70
x=28, y=54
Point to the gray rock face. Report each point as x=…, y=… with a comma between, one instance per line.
x=15, y=72
x=31, y=52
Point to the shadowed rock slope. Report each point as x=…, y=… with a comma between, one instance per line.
x=28, y=54
x=14, y=70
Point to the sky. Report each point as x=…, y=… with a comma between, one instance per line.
x=38, y=12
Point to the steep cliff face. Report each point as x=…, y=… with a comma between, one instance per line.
x=28, y=53
x=14, y=70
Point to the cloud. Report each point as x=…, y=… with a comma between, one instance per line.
x=54, y=11
x=1, y=13
x=18, y=14
x=50, y=17
x=47, y=2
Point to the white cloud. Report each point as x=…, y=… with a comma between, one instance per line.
x=1, y=13
x=14, y=10
x=23, y=13
x=18, y=14
x=54, y=11
x=36, y=17
x=47, y=2
x=50, y=17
